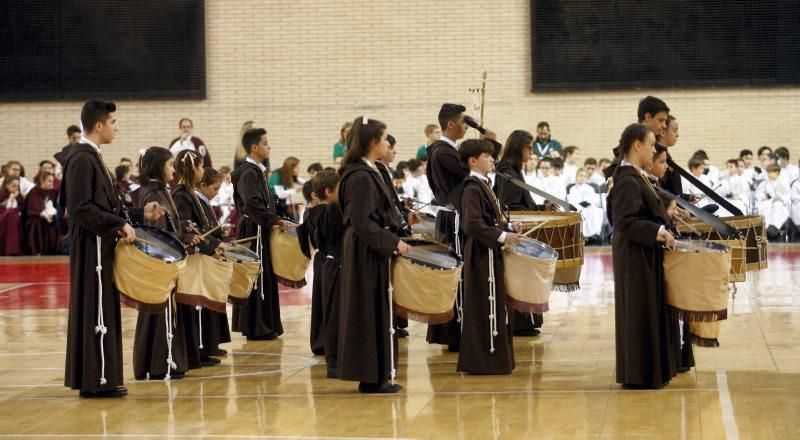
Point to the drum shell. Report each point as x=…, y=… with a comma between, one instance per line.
x=528, y=281
x=289, y=263
x=705, y=334
x=422, y=293
x=205, y=281
x=563, y=233
x=144, y=282
x=697, y=284
x=750, y=226
x=243, y=279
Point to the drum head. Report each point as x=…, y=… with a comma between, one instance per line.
x=700, y=246
x=160, y=244
x=241, y=254
x=433, y=255
x=534, y=248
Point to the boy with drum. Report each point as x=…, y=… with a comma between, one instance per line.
x=487, y=345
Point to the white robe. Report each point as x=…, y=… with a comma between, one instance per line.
x=795, y=202
x=597, y=179
x=738, y=187
x=593, y=215
x=774, y=209
x=789, y=174
x=552, y=185
x=424, y=191
x=569, y=173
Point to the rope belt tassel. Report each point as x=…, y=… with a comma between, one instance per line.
x=200, y=324
x=492, y=303
x=460, y=294
x=101, y=325
x=260, y=264
x=393, y=370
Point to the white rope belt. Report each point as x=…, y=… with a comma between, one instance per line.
x=101, y=325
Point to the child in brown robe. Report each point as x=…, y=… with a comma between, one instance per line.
x=487, y=345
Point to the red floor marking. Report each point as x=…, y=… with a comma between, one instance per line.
x=33, y=272
x=45, y=285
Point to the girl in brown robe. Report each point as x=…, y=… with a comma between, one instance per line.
x=189, y=172
x=487, y=345
x=645, y=356
x=367, y=351
x=150, y=348
x=40, y=227
x=517, y=151
x=217, y=331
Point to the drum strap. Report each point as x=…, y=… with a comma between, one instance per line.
x=101, y=325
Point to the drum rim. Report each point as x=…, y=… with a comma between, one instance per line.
x=717, y=248
x=450, y=253
x=164, y=234
x=510, y=249
x=237, y=260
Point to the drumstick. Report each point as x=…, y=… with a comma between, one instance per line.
x=210, y=231
x=529, y=231
x=244, y=240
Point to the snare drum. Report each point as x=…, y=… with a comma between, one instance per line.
x=705, y=334
x=205, y=281
x=425, y=282
x=696, y=275
x=426, y=228
x=529, y=268
x=751, y=227
x=288, y=261
x=245, y=269
x=562, y=232
x=145, y=272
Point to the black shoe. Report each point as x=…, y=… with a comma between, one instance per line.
x=453, y=348
x=217, y=352
x=683, y=369
x=333, y=373
x=318, y=352
x=119, y=392
x=402, y=333
x=267, y=337
x=373, y=388
x=531, y=332
x=209, y=361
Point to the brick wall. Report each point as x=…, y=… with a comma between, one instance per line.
x=301, y=68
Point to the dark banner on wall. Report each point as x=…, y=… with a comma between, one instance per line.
x=627, y=44
x=113, y=49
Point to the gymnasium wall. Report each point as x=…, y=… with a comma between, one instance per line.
x=301, y=68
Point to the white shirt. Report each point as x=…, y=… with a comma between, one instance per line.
x=85, y=140
x=260, y=166
x=449, y=141
x=186, y=144
x=502, y=237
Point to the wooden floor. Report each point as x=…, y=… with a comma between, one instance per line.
x=563, y=385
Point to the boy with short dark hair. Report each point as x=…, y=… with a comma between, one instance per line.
x=487, y=345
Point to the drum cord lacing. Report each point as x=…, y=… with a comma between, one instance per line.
x=492, y=303
x=392, y=369
x=260, y=263
x=101, y=325
x=460, y=293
